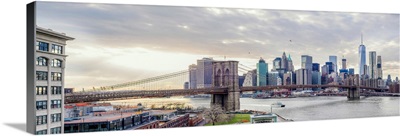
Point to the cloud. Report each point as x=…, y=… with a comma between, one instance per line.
x=216, y=32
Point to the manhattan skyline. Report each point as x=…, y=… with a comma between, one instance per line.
x=136, y=42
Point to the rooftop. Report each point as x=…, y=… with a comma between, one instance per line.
x=53, y=33
x=104, y=118
x=161, y=112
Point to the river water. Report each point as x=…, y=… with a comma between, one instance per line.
x=300, y=108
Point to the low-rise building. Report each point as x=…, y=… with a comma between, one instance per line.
x=263, y=118
x=110, y=122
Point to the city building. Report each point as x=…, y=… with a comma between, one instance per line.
x=204, y=73
x=262, y=71
x=277, y=63
x=362, y=58
x=263, y=118
x=251, y=78
x=379, y=67
x=241, y=80
x=344, y=63
x=302, y=77
x=330, y=67
x=365, y=75
x=290, y=64
x=107, y=122
x=333, y=59
x=186, y=85
x=316, y=77
x=306, y=63
x=50, y=66
x=351, y=71
x=192, y=76
x=389, y=80
x=273, y=78
x=288, y=78
x=372, y=64
x=284, y=63
x=315, y=67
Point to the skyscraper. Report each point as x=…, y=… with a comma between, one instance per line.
x=288, y=78
x=329, y=67
x=351, y=71
x=372, y=65
x=284, y=63
x=344, y=63
x=315, y=67
x=290, y=64
x=251, y=78
x=361, y=57
x=204, y=72
x=379, y=67
x=303, y=77
x=333, y=59
x=262, y=71
x=192, y=76
x=306, y=63
x=277, y=63
x=273, y=78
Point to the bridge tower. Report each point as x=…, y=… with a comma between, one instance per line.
x=354, y=92
x=225, y=74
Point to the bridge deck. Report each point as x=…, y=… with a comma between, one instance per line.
x=111, y=95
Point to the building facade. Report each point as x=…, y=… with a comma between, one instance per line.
x=273, y=78
x=262, y=71
x=192, y=76
x=302, y=77
x=251, y=78
x=284, y=63
x=362, y=58
x=277, y=63
x=50, y=66
x=204, y=72
x=372, y=65
x=333, y=59
x=290, y=64
x=315, y=67
x=379, y=67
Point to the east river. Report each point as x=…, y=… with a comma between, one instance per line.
x=300, y=108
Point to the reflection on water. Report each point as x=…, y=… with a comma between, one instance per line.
x=299, y=109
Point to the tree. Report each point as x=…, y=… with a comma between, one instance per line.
x=215, y=114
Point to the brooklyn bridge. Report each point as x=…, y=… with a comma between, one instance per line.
x=225, y=90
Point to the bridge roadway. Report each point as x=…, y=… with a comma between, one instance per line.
x=127, y=94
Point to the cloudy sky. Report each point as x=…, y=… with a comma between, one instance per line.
x=120, y=43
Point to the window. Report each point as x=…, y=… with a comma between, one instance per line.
x=56, y=49
x=41, y=75
x=41, y=90
x=41, y=132
x=56, y=117
x=42, y=46
x=56, y=63
x=41, y=120
x=56, y=90
x=55, y=104
x=55, y=76
x=56, y=130
x=41, y=61
x=41, y=105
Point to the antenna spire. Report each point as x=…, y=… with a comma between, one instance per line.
x=361, y=39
